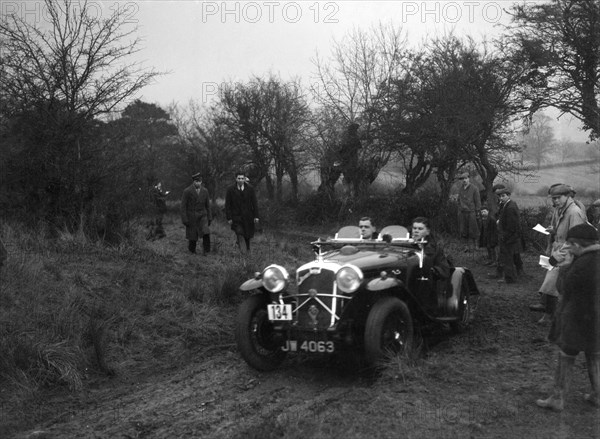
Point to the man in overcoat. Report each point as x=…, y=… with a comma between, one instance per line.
x=509, y=236
x=241, y=210
x=196, y=215
x=565, y=216
x=576, y=324
x=469, y=208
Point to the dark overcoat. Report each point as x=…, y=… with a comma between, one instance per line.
x=195, y=212
x=509, y=228
x=241, y=208
x=576, y=325
x=489, y=232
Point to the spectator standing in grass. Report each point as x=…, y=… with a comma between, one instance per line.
x=509, y=236
x=576, y=324
x=159, y=202
x=469, y=207
x=488, y=237
x=241, y=210
x=565, y=216
x=196, y=215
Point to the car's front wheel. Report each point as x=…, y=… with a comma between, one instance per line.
x=388, y=330
x=255, y=337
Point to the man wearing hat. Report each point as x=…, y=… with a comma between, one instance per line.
x=241, y=210
x=565, y=216
x=509, y=236
x=195, y=214
x=576, y=326
x=469, y=206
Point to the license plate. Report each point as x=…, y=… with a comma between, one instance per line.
x=280, y=312
x=314, y=346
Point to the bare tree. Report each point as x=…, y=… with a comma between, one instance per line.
x=538, y=138
x=82, y=61
x=349, y=84
x=268, y=116
x=210, y=146
x=565, y=149
x=559, y=41
x=56, y=79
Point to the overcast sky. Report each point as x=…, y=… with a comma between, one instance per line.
x=202, y=44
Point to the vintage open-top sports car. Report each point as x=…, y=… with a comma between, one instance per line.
x=356, y=293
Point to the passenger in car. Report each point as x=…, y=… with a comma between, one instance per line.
x=367, y=228
x=434, y=253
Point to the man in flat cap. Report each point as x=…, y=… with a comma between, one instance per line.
x=241, y=210
x=509, y=236
x=196, y=215
x=565, y=216
x=469, y=207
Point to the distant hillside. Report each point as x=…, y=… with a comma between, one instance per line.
x=583, y=176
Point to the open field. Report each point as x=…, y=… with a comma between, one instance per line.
x=479, y=384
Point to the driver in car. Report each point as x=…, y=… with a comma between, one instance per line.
x=367, y=228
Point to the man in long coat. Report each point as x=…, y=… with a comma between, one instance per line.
x=509, y=236
x=469, y=208
x=195, y=214
x=566, y=215
x=241, y=210
x=576, y=324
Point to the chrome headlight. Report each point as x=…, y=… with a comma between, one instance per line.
x=349, y=278
x=275, y=278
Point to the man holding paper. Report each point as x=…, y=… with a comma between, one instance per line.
x=565, y=216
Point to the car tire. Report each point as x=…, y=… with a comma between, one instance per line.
x=388, y=330
x=464, y=309
x=254, y=335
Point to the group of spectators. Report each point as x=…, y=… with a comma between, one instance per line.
x=241, y=212
x=570, y=292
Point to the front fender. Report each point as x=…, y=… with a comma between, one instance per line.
x=379, y=284
x=251, y=284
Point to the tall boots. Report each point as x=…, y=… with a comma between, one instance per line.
x=564, y=368
x=593, y=366
x=551, y=302
x=206, y=243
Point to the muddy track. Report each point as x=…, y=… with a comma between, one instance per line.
x=478, y=384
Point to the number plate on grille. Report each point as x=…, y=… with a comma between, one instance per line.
x=280, y=312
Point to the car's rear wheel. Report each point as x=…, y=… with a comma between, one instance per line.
x=388, y=330
x=255, y=337
x=464, y=309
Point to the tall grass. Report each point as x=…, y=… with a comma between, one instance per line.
x=72, y=308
